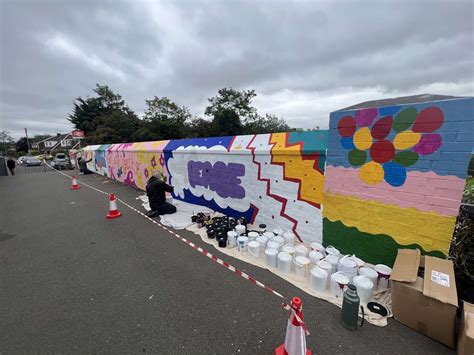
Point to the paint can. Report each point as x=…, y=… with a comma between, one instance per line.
x=325, y=265
x=278, y=231
x=254, y=249
x=284, y=262
x=240, y=229
x=232, y=239
x=318, y=247
x=222, y=242
x=384, y=272
x=364, y=288
x=279, y=239
x=242, y=243
x=330, y=250
x=262, y=228
x=348, y=265
x=273, y=245
x=359, y=261
x=262, y=240
x=339, y=282
x=301, y=250
x=269, y=235
x=333, y=260
x=290, y=249
x=301, y=266
x=252, y=235
x=318, y=279
x=289, y=238
x=271, y=257
x=315, y=256
x=370, y=273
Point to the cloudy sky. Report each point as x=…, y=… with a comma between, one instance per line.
x=304, y=59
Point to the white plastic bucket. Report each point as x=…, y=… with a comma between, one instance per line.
x=279, y=239
x=359, y=261
x=370, y=273
x=252, y=235
x=231, y=239
x=269, y=235
x=278, y=231
x=384, y=273
x=240, y=229
x=284, y=262
x=301, y=266
x=262, y=240
x=333, y=260
x=339, y=283
x=271, y=257
x=348, y=265
x=318, y=279
x=290, y=249
x=325, y=265
x=330, y=250
x=364, y=288
x=301, y=250
x=289, y=238
x=315, y=256
x=273, y=245
x=242, y=243
x=254, y=249
x=318, y=247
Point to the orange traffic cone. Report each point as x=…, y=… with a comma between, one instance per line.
x=74, y=186
x=113, y=211
x=295, y=339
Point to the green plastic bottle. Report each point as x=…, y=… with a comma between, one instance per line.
x=350, y=309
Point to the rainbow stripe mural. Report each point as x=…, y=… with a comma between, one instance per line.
x=395, y=177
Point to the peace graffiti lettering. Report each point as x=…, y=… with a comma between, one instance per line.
x=221, y=178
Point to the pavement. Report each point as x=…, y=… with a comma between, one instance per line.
x=74, y=282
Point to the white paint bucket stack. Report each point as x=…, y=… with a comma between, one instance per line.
x=271, y=257
x=370, y=273
x=315, y=256
x=252, y=235
x=318, y=279
x=364, y=288
x=240, y=229
x=288, y=249
x=301, y=250
x=301, y=266
x=330, y=250
x=284, y=262
x=326, y=266
x=262, y=240
x=333, y=260
x=273, y=245
x=279, y=240
x=289, y=238
x=318, y=247
x=384, y=273
x=348, y=265
x=339, y=282
x=254, y=249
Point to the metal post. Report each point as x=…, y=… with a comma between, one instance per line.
x=28, y=141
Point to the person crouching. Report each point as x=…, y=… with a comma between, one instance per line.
x=155, y=190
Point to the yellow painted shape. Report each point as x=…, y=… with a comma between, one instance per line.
x=405, y=225
x=371, y=173
x=363, y=138
x=295, y=167
x=406, y=139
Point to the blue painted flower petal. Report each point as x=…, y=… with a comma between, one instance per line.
x=347, y=143
x=394, y=174
x=389, y=110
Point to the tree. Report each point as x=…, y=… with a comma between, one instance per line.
x=267, y=124
x=200, y=127
x=22, y=145
x=164, y=119
x=230, y=99
x=6, y=140
x=226, y=122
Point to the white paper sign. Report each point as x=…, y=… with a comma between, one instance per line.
x=440, y=278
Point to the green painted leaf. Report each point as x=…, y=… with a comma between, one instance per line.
x=405, y=119
x=406, y=158
x=357, y=157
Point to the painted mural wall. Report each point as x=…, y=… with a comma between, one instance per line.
x=276, y=179
x=395, y=177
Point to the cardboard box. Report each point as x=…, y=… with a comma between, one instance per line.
x=466, y=331
x=426, y=305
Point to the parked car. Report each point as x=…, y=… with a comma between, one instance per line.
x=20, y=160
x=61, y=161
x=46, y=157
x=31, y=161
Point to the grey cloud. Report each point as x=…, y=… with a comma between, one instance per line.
x=303, y=58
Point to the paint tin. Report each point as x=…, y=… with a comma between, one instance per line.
x=289, y=238
x=240, y=229
x=273, y=245
x=301, y=266
x=254, y=249
x=359, y=262
x=262, y=240
x=278, y=231
x=290, y=249
x=348, y=265
x=301, y=250
x=330, y=250
x=333, y=260
x=339, y=283
x=364, y=288
x=279, y=239
x=315, y=256
x=222, y=241
x=318, y=247
x=325, y=265
x=384, y=273
x=262, y=228
x=269, y=235
x=271, y=257
x=242, y=243
x=370, y=273
x=318, y=279
x=232, y=239
x=284, y=262
x=252, y=235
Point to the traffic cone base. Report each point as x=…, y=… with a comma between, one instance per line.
x=113, y=214
x=74, y=185
x=113, y=210
x=281, y=350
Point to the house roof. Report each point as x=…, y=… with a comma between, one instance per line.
x=401, y=100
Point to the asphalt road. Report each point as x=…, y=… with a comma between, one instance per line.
x=73, y=281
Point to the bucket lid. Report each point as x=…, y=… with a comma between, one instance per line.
x=278, y=231
x=317, y=271
x=301, y=260
x=269, y=235
x=253, y=234
x=273, y=244
x=279, y=239
x=340, y=278
x=316, y=246
x=254, y=244
x=301, y=248
x=231, y=234
x=333, y=251
x=323, y=264
x=383, y=269
x=284, y=256
x=333, y=259
x=367, y=271
x=289, y=235
x=288, y=249
x=363, y=282
x=262, y=239
x=240, y=227
x=271, y=251
x=243, y=239
x=348, y=261
x=316, y=255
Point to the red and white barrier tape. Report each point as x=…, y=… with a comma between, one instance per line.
x=286, y=305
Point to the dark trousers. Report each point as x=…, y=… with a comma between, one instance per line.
x=12, y=171
x=164, y=208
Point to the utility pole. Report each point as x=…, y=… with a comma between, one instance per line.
x=28, y=142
